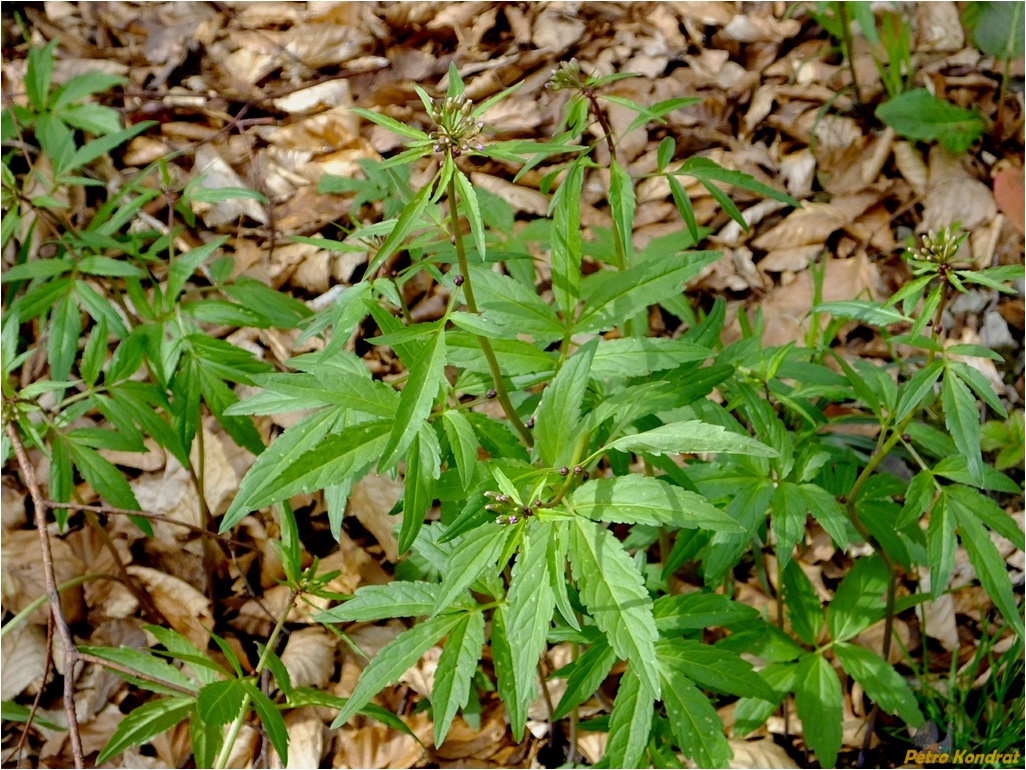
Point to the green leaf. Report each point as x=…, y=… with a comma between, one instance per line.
x=502, y=658
x=65, y=329
x=507, y=301
x=817, y=697
x=556, y=556
x=694, y=722
x=975, y=380
x=270, y=717
x=914, y=391
x=675, y=613
x=39, y=70
x=463, y=442
x=37, y=268
x=146, y=664
x=788, y=514
x=881, y=682
x=263, y=478
x=218, y=703
x=472, y=208
x=631, y=721
x=687, y=211
x=751, y=713
x=614, y=593
x=408, y=219
x=529, y=605
x=990, y=568
x=566, y=240
x=95, y=353
x=712, y=668
x=690, y=437
x=559, y=413
x=98, y=265
x=622, y=202
x=418, y=485
x=637, y=357
x=918, y=114
x=393, y=660
x=206, y=740
x=203, y=668
x=860, y=599
x=611, y=296
x=803, y=605
x=872, y=313
x=477, y=552
x=144, y=723
x=706, y=170
x=941, y=545
x=588, y=673
x=184, y=265
x=15, y=712
x=426, y=375
x=104, y=477
x=455, y=671
x=963, y=421
x=997, y=28
x=636, y=499
x=392, y=124
x=397, y=599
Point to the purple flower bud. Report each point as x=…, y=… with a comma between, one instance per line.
x=438, y=148
x=458, y=280
x=513, y=519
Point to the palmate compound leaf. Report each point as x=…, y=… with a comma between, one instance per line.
x=393, y=659
x=614, y=594
x=529, y=606
x=691, y=436
x=712, y=668
x=455, y=670
x=636, y=499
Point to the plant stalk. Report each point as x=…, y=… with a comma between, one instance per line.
x=486, y=346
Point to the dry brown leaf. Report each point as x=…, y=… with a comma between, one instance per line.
x=306, y=738
x=954, y=195
x=214, y=173
x=23, y=581
x=370, y=502
x=309, y=657
x=1010, y=196
x=760, y=753
x=23, y=661
x=187, y=610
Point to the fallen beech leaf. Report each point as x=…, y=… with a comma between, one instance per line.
x=23, y=660
x=1010, y=196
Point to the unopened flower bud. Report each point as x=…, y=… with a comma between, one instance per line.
x=529, y=423
x=513, y=519
x=564, y=471
x=458, y=280
x=578, y=470
x=491, y=393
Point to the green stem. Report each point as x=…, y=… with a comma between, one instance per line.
x=39, y=601
x=233, y=731
x=846, y=44
x=486, y=346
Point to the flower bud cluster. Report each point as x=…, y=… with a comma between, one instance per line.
x=457, y=128
x=509, y=512
x=937, y=247
x=566, y=75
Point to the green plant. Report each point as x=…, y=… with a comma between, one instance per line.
x=914, y=113
x=613, y=460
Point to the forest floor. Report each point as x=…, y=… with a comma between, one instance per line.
x=258, y=95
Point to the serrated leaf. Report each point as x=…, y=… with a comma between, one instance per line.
x=714, y=669
x=145, y=722
x=990, y=568
x=636, y=499
x=941, y=545
x=869, y=312
x=690, y=437
x=455, y=671
x=588, y=673
x=881, y=682
x=630, y=723
x=788, y=514
x=622, y=202
x=408, y=219
x=962, y=421
x=391, y=124
x=463, y=442
x=664, y=154
x=696, y=727
x=393, y=659
x=828, y=512
x=566, y=240
x=472, y=208
x=818, y=701
x=751, y=713
x=155, y=669
x=612, y=296
x=502, y=657
x=104, y=477
x=529, y=605
x=614, y=593
x=397, y=599
x=637, y=357
x=426, y=375
x=860, y=599
x=271, y=719
x=556, y=556
x=206, y=740
x=65, y=329
x=914, y=391
x=685, y=612
x=507, y=301
x=477, y=552
x=218, y=703
x=559, y=413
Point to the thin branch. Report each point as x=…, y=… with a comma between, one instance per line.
x=86, y=657
x=56, y=610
